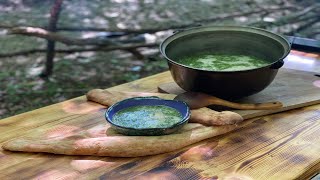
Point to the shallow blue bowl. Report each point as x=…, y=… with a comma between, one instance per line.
x=180, y=106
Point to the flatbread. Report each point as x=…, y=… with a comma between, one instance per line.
x=115, y=145
x=210, y=117
x=111, y=144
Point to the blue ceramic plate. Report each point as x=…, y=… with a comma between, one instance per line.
x=180, y=106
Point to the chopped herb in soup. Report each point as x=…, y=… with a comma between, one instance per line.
x=147, y=116
x=223, y=62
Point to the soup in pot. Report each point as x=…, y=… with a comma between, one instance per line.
x=223, y=62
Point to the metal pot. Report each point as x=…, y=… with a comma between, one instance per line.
x=227, y=40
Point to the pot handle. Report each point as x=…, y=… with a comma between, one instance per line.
x=277, y=64
x=186, y=28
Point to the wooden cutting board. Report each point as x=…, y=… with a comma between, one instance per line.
x=293, y=88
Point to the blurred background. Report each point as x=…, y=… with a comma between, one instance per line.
x=53, y=50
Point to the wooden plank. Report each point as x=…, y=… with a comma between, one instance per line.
x=236, y=148
x=215, y=158
x=279, y=146
x=293, y=88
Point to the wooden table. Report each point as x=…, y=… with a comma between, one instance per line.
x=280, y=146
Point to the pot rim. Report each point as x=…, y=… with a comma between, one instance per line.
x=285, y=43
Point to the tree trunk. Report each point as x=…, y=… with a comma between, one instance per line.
x=54, y=17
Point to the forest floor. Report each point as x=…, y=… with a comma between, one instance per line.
x=21, y=88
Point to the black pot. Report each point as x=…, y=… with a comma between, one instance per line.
x=226, y=40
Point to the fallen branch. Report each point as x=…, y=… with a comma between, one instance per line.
x=42, y=33
x=69, y=51
x=96, y=29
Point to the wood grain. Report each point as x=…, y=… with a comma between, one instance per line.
x=278, y=146
x=291, y=87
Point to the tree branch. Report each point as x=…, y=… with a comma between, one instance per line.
x=69, y=51
x=42, y=33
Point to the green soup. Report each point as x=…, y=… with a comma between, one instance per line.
x=223, y=62
x=147, y=117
